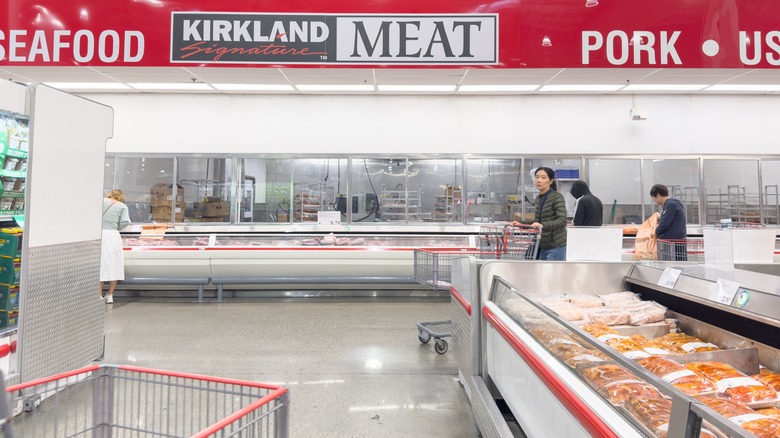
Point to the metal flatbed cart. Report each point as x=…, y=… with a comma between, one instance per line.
x=116, y=400
x=433, y=267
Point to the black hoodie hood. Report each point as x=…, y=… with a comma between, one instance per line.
x=579, y=189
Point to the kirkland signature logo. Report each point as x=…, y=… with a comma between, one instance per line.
x=239, y=38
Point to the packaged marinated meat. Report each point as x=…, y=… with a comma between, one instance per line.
x=680, y=343
x=649, y=345
x=586, y=301
x=568, y=311
x=769, y=378
x=599, y=330
x=645, y=312
x=654, y=414
x=619, y=299
x=555, y=300
x=609, y=316
x=624, y=345
x=770, y=412
x=678, y=376
x=617, y=384
x=759, y=425
x=585, y=356
x=733, y=383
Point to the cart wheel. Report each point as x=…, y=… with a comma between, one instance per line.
x=441, y=346
x=424, y=337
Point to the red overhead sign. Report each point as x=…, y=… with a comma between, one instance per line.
x=498, y=33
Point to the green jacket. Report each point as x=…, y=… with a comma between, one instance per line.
x=553, y=220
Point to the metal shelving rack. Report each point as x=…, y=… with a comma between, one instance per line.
x=771, y=205
x=310, y=198
x=400, y=205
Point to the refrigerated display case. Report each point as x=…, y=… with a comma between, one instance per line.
x=538, y=362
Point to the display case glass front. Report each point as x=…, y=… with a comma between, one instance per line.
x=294, y=240
x=639, y=371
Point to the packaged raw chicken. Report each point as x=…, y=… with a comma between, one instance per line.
x=649, y=345
x=770, y=412
x=617, y=384
x=680, y=343
x=619, y=299
x=585, y=301
x=732, y=383
x=555, y=300
x=769, y=378
x=567, y=311
x=645, y=312
x=654, y=414
x=609, y=316
x=759, y=425
x=678, y=376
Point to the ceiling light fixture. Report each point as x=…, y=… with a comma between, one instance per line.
x=161, y=86
x=335, y=88
x=417, y=88
x=663, y=87
x=755, y=88
x=579, y=88
x=496, y=88
x=546, y=42
x=98, y=86
x=253, y=87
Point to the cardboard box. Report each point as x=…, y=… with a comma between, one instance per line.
x=453, y=191
x=9, y=298
x=159, y=217
x=162, y=194
x=216, y=209
x=10, y=270
x=9, y=245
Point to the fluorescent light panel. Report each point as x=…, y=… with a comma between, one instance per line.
x=253, y=87
x=88, y=85
x=417, y=88
x=766, y=88
x=664, y=87
x=580, y=87
x=335, y=88
x=159, y=86
x=496, y=88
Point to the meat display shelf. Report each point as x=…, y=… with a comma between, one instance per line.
x=500, y=348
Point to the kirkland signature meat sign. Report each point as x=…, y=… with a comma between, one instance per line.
x=245, y=38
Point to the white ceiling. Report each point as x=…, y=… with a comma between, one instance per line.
x=401, y=76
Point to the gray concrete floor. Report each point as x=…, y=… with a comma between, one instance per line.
x=354, y=368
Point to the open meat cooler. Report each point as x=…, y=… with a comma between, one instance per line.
x=561, y=345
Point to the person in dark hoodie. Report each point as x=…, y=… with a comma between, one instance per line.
x=590, y=210
x=671, y=225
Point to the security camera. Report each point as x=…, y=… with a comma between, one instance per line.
x=637, y=115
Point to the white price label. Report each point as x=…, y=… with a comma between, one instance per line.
x=725, y=291
x=669, y=277
x=328, y=218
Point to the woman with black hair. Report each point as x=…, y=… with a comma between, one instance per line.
x=550, y=216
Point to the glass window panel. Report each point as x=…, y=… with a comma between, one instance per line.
x=136, y=177
x=617, y=183
x=681, y=177
x=385, y=182
x=494, y=189
x=319, y=184
x=566, y=172
x=732, y=190
x=266, y=190
x=206, y=183
x=440, y=185
x=770, y=177
x=109, y=174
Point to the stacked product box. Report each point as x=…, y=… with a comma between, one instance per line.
x=212, y=209
x=162, y=202
x=13, y=160
x=10, y=273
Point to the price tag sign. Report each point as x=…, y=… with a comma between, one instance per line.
x=669, y=277
x=725, y=291
x=328, y=218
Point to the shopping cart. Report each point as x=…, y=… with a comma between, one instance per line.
x=433, y=267
x=126, y=401
x=681, y=250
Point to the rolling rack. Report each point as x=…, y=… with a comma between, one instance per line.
x=433, y=266
x=119, y=400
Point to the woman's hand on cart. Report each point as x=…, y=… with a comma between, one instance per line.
x=522, y=225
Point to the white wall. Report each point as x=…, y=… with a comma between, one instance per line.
x=259, y=124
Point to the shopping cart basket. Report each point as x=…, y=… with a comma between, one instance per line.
x=126, y=401
x=681, y=250
x=509, y=242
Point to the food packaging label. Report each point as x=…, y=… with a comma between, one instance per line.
x=671, y=377
x=636, y=354
x=736, y=381
x=605, y=338
x=562, y=341
x=657, y=351
x=741, y=419
x=587, y=357
x=690, y=346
